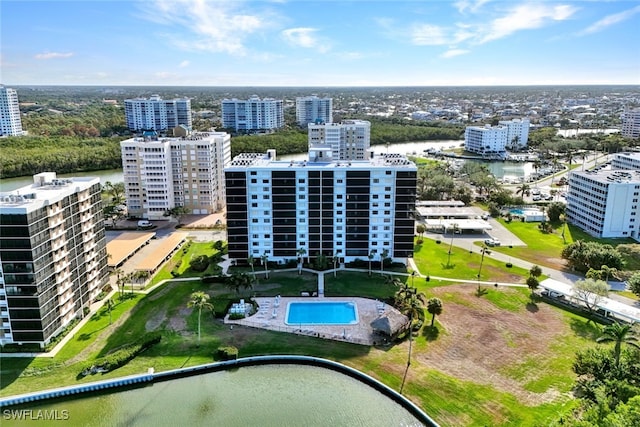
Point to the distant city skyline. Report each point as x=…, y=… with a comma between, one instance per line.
x=319, y=43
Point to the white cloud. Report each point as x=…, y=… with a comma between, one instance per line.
x=184, y=64
x=454, y=52
x=214, y=26
x=525, y=17
x=609, y=20
x=472, y=6
x=53, y=55
x=429, y=35
x=305, y=37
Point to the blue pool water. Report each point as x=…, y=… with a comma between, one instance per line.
x=516, y=211
x=321, y=313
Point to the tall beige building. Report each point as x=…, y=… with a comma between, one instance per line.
x=163, y=173
x=631, y=123
x=348, y=140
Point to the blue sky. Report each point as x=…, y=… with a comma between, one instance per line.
x=319, y=43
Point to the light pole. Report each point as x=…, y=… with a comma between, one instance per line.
x=413, y=274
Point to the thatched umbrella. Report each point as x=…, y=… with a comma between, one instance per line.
x=390, y=323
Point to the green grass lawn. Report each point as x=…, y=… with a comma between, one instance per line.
x=184, y=256
x=449, y=400
x=545, y=249
x=432, y=259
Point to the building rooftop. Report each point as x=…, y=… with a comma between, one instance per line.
x=628, y=154
x=45, y=190
x=268, y=160
x=611, y=176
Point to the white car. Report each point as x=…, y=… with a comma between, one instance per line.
x=492, y=242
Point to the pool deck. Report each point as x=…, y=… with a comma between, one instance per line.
x=272, y=315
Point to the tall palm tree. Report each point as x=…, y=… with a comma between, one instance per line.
x=370, y=256
x=383, y=255
x=618, y=334
x=250, y=261
x=434, y=307
x=413, y=307
x=265, y=262
x=201, y=301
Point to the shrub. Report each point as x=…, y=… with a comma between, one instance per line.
x=236, y=316
x=227, y=353
x=199, y=263
x=120, y=357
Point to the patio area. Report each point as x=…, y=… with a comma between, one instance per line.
x=272, y=313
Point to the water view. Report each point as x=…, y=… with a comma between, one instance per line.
x=268, y=395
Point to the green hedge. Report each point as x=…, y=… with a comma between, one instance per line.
x=120, y=357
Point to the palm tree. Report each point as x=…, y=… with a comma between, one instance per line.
x=608, y=271
x=201, y=300
x=619, y=333
x=265, y=262
x=434, y=306
x=370, y=256
x=413, y=307
x=301, y=253
x=383, y=255
x=250, y=261
x=523, y=189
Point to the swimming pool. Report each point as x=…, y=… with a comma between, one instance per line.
x=516, y=211
x=322, y=313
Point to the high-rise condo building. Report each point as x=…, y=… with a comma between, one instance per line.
x=345, y=209
x=349, y=140
x=313, y=109
x=163, y=173
x=252, y=115
x=157, y=114
x=605, y=203
x=631, y=123
x=53, y=257
x=10, y=122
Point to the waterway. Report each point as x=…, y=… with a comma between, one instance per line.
x=268, y=395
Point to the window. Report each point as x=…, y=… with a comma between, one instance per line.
x=265, y=181
x=301, y=196
x=254, y=220
x=387, y=188
x=254, y=205
x=267, y=236
x=266, y=212
x=376, y=180
x=302, y=236
x=301, y=212
x=387, y=212
x=387, y=205
x=255, y=236
x=301, y=181
x=375, y=212
x=265, y=197
x=339, y=212
x=265, y=188
x=254, y=181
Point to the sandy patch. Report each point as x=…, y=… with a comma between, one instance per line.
x=480, y=340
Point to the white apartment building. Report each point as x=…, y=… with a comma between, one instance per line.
x=157, y=114
x=496, y=140
x=631, y=123
x=252, y=115
x=162, y=173
x=487, y=140
x=605, y=203
x=53, y=257
x=629, y=161
x=10, y=121
x=349, y=140
x=313, y=109
x=347, y=209
x=517, y=133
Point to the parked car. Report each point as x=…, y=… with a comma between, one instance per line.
x=536, y=198
x=492, y=242
x=144, y=224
